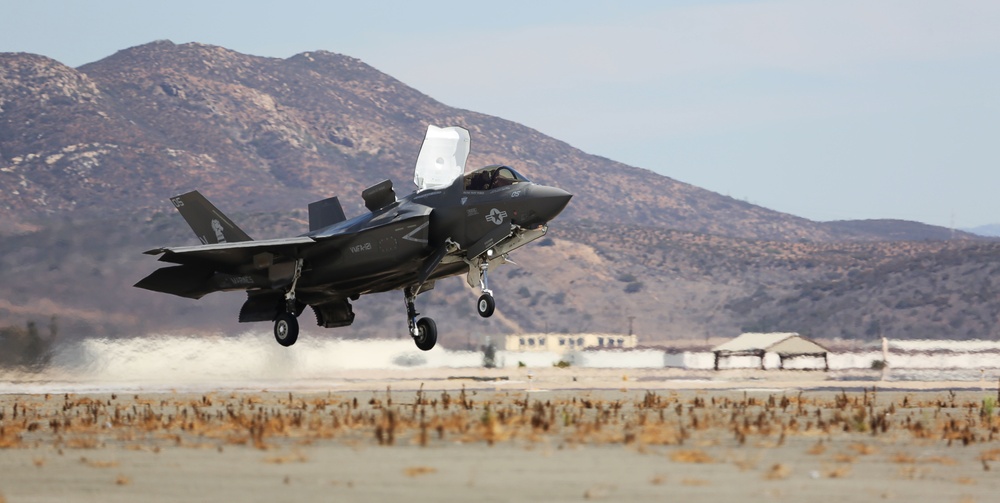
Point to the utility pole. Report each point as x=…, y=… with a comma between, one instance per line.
x=630, y=319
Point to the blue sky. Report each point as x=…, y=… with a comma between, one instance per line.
x=830, y=110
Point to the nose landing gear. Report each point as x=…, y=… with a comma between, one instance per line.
x=286, y=329
x=486, y=304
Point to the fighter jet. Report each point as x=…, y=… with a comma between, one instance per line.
x=454, y=223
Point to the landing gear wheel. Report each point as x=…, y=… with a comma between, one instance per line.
x=486, y=305
x=286, y=329
x=428, y=334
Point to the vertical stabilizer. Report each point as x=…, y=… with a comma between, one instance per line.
x=208, y=223
x=442, y=157
x=325, y=213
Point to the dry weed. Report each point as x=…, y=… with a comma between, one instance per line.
x=695, y=482
x=902, y=458
x=839, y=472
x=294, y=457
x=778, y=472
x=93, y=463
x=414, y=471
x=817, y=449
x=691, y=456
x=862, y=449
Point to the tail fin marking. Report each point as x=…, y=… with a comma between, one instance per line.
x=208, y=223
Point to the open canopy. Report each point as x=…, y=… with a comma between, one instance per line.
x=442, y=157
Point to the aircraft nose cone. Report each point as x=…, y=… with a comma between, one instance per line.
x=549, y=201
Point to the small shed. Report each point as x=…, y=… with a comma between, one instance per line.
x=786, y=345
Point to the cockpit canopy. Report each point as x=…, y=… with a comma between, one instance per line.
x=492, y=177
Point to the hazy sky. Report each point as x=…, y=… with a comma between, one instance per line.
x=829, y=110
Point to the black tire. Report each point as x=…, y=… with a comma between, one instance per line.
x=486, y=305
x=428, y=334
x=286, y=329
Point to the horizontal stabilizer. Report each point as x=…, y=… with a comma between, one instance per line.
x=188, y=281
x=325, y=213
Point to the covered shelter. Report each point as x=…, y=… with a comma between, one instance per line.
x=786, y=345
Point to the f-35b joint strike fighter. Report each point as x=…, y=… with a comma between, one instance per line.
x=454, y=223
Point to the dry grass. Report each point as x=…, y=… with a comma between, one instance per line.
x=93, y=463
x=839, y=472
x=691, y=456
x=778, y=471
x=416, y=471
x=862, y=449
x=294, y=457
x=902, y=458
x=817, y=449
x=695, y=482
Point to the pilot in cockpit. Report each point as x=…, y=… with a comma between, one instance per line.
x=480, y=181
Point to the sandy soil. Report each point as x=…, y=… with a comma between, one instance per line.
x=558, y=436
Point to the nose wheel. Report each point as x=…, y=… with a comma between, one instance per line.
x=486, y=305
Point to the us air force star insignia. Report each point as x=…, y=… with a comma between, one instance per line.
x=496, y=216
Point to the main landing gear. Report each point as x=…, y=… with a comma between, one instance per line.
x=286, y=329
x=286, y=323
x=424, y=330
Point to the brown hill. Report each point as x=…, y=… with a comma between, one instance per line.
x=256, y=133
x=88, y=157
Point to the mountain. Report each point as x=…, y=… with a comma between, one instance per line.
x=990, y=230
x=88, y=157
x=266, y=134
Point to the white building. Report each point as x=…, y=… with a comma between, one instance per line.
x=564, y=343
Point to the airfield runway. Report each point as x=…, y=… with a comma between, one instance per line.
x=507, y=435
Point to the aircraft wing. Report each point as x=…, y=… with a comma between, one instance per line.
x=226, y=255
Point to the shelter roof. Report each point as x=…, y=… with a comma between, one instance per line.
x=797, y=345
x=754, y=341
x=774, y=342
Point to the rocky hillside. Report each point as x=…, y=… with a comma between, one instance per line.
x=126, y=132
x=88, y=157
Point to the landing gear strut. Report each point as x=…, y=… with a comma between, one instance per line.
x=424, y=330
x=286, y=325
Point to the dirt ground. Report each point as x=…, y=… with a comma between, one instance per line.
x=595, y=436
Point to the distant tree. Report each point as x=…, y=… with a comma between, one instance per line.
x=25, y=347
